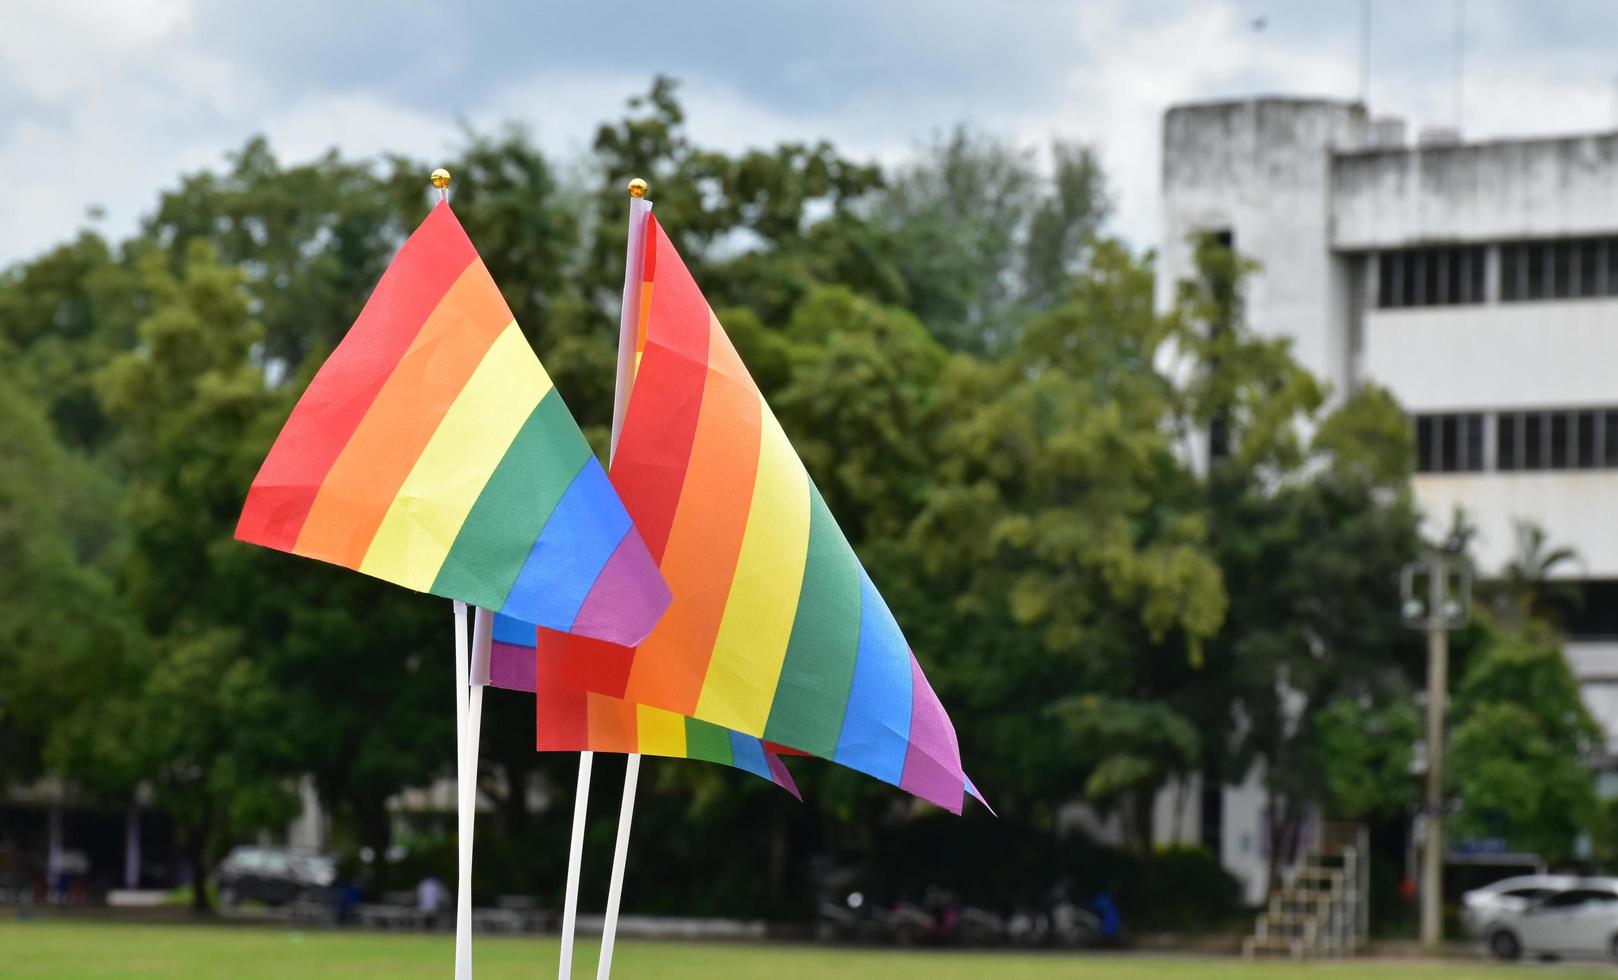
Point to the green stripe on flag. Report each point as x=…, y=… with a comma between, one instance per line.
x=818, y=672
x=502, y=526
x=708, y=742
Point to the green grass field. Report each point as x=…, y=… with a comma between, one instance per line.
x=63, y=950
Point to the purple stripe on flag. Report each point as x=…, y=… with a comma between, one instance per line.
x=781, y=775
x=628, y=581
x=933, y=761
x=512, y=667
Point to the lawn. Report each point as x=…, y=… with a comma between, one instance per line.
x=63, y=950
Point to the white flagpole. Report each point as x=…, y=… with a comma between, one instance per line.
x=463, y=884
x=628, y=325
x=628, y=321
x=620, y=851
x=465, y=752
x=466, y=803
x=575, y=853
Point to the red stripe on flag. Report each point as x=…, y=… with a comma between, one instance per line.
x=654, y=447
x=776, y=748
x=561, y=712
x=648, y=264
x=346, y=385
x=586, y=664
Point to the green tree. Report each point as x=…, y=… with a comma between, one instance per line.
x=758, y=229
x=62, y=316
x=1519, y=737
x=1309, y=535
x=1063, y=535
x=1527, y=587
x=59, y=614
x=199, y=722
x=308, y=241
x=1365, y=750
x=858, y=393
x=1313, y=570
x=983, y=240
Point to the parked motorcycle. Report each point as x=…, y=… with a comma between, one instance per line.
x=1062, y=923
x=850, y=919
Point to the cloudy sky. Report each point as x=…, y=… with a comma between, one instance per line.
x=104, y=103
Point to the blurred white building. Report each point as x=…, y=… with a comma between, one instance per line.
x=1476, y=281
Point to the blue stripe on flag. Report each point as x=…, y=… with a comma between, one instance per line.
x=582, y=533
x=748, y=753
x=508, y=629
x=876, y=726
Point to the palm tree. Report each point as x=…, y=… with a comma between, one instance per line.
x=1527, y=586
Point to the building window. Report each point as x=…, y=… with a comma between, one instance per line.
x=1449, y=443
x=1569, y=268
x=1586, y=610
x=1508, y=442
x=1560, y=443
x=1586, y=432
x=1556, y=440
x=1430, y=276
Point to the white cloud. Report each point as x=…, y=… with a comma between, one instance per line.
x=358, y=123
x=1133, y=72
x=106, y=103
x=73, y=48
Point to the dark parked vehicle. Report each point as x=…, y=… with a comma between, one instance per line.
x=272, y=875
x=940, y=920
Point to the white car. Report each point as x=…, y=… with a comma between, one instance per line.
x=1481, y=906
x=1577, y=921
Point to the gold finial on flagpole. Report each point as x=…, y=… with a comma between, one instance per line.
x=637, y=188
x=440, y=179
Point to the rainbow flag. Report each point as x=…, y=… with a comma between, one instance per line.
x=572, y=719
x=432, y=451
x=775, y=631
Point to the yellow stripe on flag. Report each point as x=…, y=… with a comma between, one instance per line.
x=661, y=732
x=753, y=633
x=420, y=526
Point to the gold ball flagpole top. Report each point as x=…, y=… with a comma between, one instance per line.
x=440, y=178
x=637, y=188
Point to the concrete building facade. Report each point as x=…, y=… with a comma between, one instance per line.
x=1476, y=281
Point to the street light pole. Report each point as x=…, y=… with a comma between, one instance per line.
x=1432, y=859
x=1442, y=609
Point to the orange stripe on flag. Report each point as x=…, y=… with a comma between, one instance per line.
x=612, y=725
x=645, y=315
x=366, y=477
x=704, y=541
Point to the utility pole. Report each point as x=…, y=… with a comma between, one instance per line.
x=1444, y=609
x=1460, y=63
x=1432, y=855
x=1365, y=54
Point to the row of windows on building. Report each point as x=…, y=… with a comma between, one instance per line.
x=1556, y=439
x=1566, y=268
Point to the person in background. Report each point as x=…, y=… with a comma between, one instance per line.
x=1112, y=921
x=429, y=899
